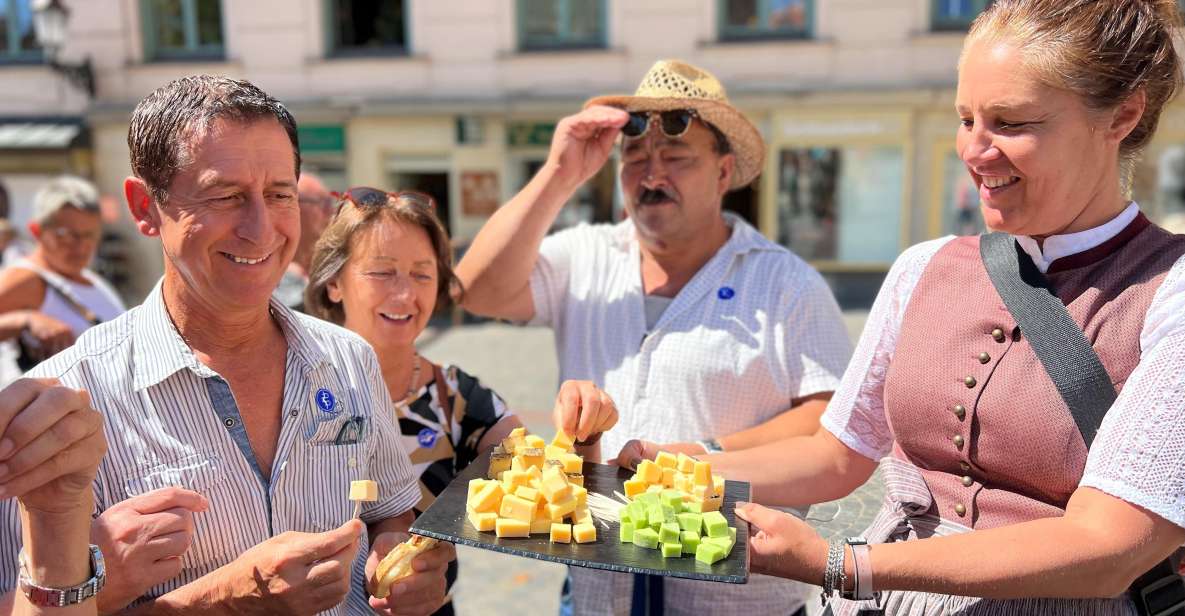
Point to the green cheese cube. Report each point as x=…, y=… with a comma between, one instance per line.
x=627, y=533
x=672, y=499
x=640, y=522
x=690, y=521
x=655, y=516
x=672, y=550
x=646, y=538
x=715, y=525
x=709, y=553
x=724, y=542
x=732, y=534
x=693, y=506
x=690, y=541
x=669, y=533
x=668, y=514
x=623, y=515
x=647, y=498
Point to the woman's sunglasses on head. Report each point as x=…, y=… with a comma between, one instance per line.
x=366, y=197
x=674, y=123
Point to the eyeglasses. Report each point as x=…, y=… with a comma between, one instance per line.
x=366, y=197
x=674, y=123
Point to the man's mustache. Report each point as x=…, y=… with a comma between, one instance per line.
x=651, y=196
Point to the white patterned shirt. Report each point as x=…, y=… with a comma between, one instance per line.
x=1138, y=454
x=753, y=330
x=172, y=421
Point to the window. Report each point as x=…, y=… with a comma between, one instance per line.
x=368, y=27
x=18, y=43
x=960, y=199
x=765, y=19
x=957, y=15
x=182, y=29
x=561, y=24
x=841, y=203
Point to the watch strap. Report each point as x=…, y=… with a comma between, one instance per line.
x=60, y=597
x=862, y=564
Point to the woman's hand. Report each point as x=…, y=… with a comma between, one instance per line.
x=782, y=545
x=583, y=410
x=52, y=335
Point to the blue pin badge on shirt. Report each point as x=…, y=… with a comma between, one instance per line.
x=325, y=400
x=726, y=293
x=426, y=438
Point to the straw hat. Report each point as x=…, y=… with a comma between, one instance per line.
x=671, y=84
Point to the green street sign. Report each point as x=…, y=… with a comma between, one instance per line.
x=321, y=138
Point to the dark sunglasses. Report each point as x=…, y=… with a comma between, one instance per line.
x=674, y=123
x=366, y=197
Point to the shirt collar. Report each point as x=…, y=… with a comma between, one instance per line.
x=743, y=238
x=159, y=351
x=1058, y=246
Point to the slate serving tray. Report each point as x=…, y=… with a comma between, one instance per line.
x=446, y=520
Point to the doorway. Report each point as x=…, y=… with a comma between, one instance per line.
x=435, y=184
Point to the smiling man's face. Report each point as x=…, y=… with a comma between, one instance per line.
x=673, y=186
x=232, y=220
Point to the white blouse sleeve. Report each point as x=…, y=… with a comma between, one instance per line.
x=1139, y=452
x=856, y=414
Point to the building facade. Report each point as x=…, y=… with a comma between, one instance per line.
x=458, y=98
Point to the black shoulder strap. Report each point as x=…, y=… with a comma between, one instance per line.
x=1057, y=340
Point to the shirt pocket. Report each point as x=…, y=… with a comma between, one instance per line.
x=325, y=477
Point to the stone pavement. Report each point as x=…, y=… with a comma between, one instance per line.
x=519, y=363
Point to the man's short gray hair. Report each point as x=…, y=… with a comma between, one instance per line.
x=62, y=192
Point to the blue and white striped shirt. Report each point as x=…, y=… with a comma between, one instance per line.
x=172, y=421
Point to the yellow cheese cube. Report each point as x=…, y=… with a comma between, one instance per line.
x=534, y=441
x=561, y=533
x=582, y=516
x=584, y=533
x=718, y=483
x=649, y=472
x=551, y=452
x=555, y=486
x=685, y=463
x=668, y=477
x=581, y=496
x=530, y=494
x=702, y=475
x=557, y=511
x=499, y=461
x=563, y=441
x=573, y=463
x=532, y=456
x=666, y=459
x=489, y=498
x=512, y=479
x=540, y=526
x=575, y=479
x=682, y=482
x=518, y=464
x=634, y=487
x=364, y=490
x=483, y=522
x=517, y=508
x=536, y=472
x=518, y=433
x=475, y=486
x=703, y=492
x=505, y=527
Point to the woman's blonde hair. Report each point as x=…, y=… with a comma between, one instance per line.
x=335, y=247
x=1102, y=50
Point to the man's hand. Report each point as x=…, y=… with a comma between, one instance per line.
x=291, y=573
x=634, y=451
x=423, y=592
x=143, y=539
x=582, y=410
x=52, y=335
x=582, y=143
x=51, y=443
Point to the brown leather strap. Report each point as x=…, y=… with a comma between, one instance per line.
x=443, y=398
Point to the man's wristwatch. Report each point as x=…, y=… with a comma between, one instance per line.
x=61, y=597
x=710, y=445
x=862, y=568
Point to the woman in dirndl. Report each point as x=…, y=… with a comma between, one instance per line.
x=994, y=503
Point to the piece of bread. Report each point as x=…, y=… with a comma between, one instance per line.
x=396, y=565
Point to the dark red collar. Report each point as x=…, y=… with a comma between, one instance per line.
x=1102, y=251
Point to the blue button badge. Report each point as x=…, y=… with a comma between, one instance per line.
x=726, y=293
x=426, y=438
x=325, y=400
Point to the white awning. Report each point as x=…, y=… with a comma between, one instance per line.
x=38, y=135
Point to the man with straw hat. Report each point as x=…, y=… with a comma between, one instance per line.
x=706, y=334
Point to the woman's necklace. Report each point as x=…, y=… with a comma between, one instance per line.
x=415, y=378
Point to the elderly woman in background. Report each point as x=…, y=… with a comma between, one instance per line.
x=382, y=267
x=50, y=297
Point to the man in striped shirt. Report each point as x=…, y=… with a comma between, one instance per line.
x=212, y=387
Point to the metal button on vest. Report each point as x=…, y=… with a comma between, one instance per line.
x=960, y=411
x=958, y=441
x=998, y=334
x=984, y=358
x=961, y=509
x=969, y=381
x=967, y=481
